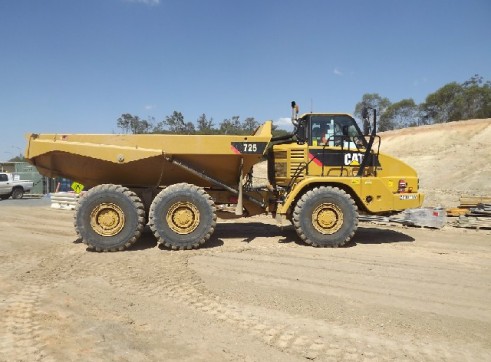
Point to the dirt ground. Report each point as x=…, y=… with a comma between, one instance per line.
x=253, y=293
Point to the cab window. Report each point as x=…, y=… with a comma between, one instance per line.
x=332, y=129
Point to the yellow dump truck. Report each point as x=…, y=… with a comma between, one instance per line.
x=320, y=178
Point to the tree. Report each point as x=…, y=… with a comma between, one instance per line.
x=277, y=132
x=189, y=128
x=174, y=124
x=455, y=102
x=133, y=124
x=231, y=126
x=475, y=100
x=249, y=125
x=205, y=126
x=19, y=158
x=441, y=106
x=374, y=101
x=404, y=113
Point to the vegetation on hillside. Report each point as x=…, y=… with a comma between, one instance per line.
x=452, y=102
x=175, y=123
x=18, y=158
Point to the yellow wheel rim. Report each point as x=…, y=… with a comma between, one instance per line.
x=327, y=218
x=107, y=219
x=183, y=217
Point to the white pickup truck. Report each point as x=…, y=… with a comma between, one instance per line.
x=10, y=185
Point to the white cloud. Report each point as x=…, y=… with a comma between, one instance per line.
x=338, y=72
x=148, y=107
x=284, y=123
x=146, y=2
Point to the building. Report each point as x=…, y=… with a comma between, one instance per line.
x=42, y=185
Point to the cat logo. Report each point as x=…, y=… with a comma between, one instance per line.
x=353, y=159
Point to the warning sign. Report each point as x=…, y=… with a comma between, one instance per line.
x=77, y=187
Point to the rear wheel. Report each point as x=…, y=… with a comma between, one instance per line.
x=4, y=197
x=325, y=217
x=109, y=218
x=17, y=193
x=182, y=216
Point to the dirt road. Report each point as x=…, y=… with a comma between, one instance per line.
x=254, y=293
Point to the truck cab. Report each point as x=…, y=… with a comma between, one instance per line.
x=333, y=130
x=11, y=185
x=330, y=149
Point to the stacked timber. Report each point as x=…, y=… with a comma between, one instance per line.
x=466, y=202
x=479, y=217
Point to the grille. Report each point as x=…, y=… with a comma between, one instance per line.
x=297, y=162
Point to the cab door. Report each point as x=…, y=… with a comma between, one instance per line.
x=5, y=184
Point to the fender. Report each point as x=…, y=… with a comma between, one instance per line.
x=353, y=183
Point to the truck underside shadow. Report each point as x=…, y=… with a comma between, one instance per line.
x=373, y=235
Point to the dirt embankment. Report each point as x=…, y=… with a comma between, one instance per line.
x=451, y=158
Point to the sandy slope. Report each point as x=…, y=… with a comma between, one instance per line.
x=452, y=158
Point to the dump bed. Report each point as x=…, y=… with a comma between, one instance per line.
x=144, y=160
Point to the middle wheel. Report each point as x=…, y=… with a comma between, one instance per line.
x=182, y=216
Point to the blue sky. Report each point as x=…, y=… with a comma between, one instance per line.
x=74, y=66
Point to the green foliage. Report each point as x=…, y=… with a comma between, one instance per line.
x=176, y=124
x=441, y=106
x=133, y=124
x=455, y=102
x=402, y=114
x=205, y=126
x=278, y=132
x=374, y=101
x=452, y=102
x=19, y=158
x=231, y=126
x=249, y=125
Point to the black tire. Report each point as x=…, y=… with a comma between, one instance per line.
x=182, y=216
x=17, y=193
x=109, y=218
x=325, y=217
x=4, y=197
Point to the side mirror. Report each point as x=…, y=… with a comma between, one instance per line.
x=301, y=132
x=368, y=127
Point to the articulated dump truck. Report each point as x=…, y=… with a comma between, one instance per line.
x=320, y=178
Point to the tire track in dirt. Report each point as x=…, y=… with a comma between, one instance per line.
x=22, y=334
x=344, y=276
x=157, y=274
x=30, y=278
x=271, y=270
x=170, y=276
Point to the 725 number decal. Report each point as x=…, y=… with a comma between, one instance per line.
x=249, y=147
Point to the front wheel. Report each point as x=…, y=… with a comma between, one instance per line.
x=182, y=216
x=325, y=217
x=109, y=218
x=18, y=193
